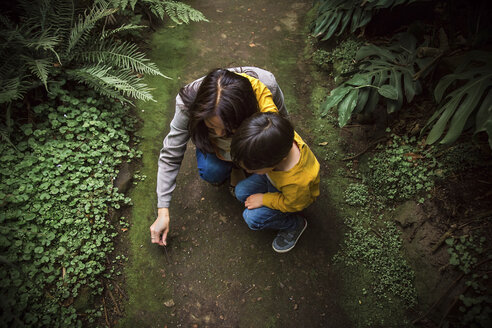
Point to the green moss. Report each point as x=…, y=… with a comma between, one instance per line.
x=169, y=47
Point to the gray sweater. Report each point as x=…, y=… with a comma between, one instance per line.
x=174, y=144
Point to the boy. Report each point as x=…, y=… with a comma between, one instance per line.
x=285, y=177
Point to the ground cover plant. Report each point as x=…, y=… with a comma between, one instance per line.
x=377, y=247
x=403, y=170
x=57, y=187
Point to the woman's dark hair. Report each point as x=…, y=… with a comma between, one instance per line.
x=262, y=141
x=221, y=93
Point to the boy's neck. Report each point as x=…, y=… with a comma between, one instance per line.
x=291, y=160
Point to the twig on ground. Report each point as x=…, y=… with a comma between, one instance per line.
x=249, y=289
x=114, y=301
x=443, y=238
x=439, y=300
x=449, y=289
x=451, y=307
x=414, y=232
x=372, y=144
x=121, y=291
x=106, y=313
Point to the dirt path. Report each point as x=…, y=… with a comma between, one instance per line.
x=217, y=272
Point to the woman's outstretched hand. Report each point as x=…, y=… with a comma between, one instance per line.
x=160, y=227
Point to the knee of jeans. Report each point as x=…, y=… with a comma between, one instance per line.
x=213, y=176
x=241, y=192
x=250, y=220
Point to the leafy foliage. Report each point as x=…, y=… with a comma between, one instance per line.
x=56, y=40
x=57, y=186
x=383, y=71
x=341, y=59
x=338, y=15
x=392, y=276
x=467, y=252
x=469, y=102
x=178, y=12
x=357, y=194
x=402, y=170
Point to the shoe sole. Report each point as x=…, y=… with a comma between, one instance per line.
x=288, y=249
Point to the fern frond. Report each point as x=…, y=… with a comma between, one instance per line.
x=11, y=89
x=63, y=16
x=6, y=22
x=92, y=77
x=124, y=55
x=81, y=31
x=124, y=27
x=113, y=84
x=39, y=67
x=129, y=85
x=179, y=12
x=45, y=40
x=120, y=4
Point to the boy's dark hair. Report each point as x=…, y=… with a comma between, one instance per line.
x=263, y=140
x=224, y=94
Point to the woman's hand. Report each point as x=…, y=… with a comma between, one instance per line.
x=160, y=227
x=254, y=201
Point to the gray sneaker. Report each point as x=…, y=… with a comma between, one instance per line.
x=286, y=240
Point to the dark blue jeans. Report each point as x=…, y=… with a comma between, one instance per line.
x=211, y=168
x=263, y=217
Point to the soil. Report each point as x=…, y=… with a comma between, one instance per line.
x=215, y=271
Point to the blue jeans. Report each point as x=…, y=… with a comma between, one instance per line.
x=263, y=217
x=211, y=168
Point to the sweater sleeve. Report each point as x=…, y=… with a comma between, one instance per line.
x=291, y=198
x=171, y=155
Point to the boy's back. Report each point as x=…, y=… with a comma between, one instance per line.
x=298, y=186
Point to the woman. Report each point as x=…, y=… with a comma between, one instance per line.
x=209, y=110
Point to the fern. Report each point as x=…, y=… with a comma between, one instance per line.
x=124, y=55
x=81, y=32
x=11, y=89
x=180, y=12
x=55, y=39
x=108, y=82
x=92, y=77
x=39, y=67
x=125, y=27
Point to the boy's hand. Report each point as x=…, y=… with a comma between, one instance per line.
x=254, y=201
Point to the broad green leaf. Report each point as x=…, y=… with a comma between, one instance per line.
x=463, y=112
x=334, y=98
x=346, y=107
x=332, y=28
x=388, y=91
x=438, y=128
x=410, y=86
x=364, y=94
x=484, y=114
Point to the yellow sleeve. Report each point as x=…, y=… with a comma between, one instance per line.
x=263, y=94
x=291, y=198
